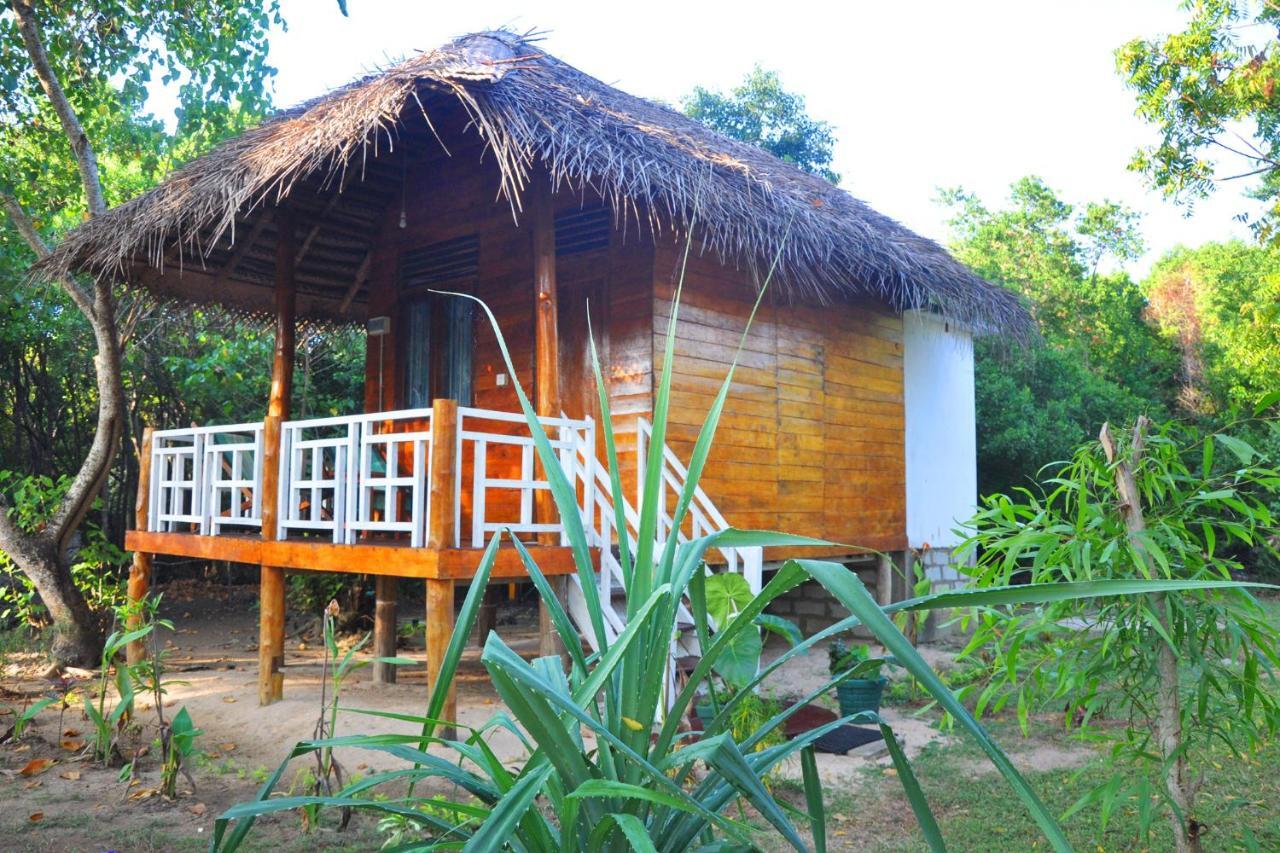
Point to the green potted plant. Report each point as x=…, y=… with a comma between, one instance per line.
x=727, y=594
x=862, y=691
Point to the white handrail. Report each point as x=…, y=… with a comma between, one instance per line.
x=704, y=517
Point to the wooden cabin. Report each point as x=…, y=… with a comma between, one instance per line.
x=490, y=168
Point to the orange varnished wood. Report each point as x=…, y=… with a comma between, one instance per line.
x=271, y=591
x=546, y=327
x=440, y=621
x=319, y=556
x=140, y=571
x=440, y=514
x=811, y=439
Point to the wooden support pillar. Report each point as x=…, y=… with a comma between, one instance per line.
x=271, y=604
x=440, y=534
x=884, y=579
x=384, y=627
x=444, y=440
x=439, y=632
x=140, y=571
x=549, y=642
x=487, y=615
x=546, y=341
x=271, y=635
x=546, y=372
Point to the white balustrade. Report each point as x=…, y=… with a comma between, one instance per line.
x=206, y=478
x=501, y=441
x=356, y=474
x=702, y=517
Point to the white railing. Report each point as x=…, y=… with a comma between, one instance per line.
x=702, y=518
x=356, y=474
x=501, y=441
x=206, y=478
x=361, y=476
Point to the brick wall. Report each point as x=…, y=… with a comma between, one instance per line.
x=812, y=608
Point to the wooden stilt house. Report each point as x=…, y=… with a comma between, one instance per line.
x=491, y=168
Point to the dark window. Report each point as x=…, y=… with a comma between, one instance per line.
x=440, y=349
x=439, y=339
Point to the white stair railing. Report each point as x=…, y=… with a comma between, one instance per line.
x=702, y=518
x=592, y=480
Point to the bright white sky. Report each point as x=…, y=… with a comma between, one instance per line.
x=922, y=95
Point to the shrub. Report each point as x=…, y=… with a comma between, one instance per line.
x=1177, y=672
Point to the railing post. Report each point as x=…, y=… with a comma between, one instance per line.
x=140, y=571
x=640, y=462
x=440, y=495
x=440, y=534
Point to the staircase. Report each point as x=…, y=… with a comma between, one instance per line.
x=596, y=504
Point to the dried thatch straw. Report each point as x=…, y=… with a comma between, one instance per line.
x=648, y=161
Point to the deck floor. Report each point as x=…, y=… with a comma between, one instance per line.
x=381, y=558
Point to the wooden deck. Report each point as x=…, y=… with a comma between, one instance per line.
x=387, y=559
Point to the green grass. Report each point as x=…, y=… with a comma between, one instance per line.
x=1240, y=801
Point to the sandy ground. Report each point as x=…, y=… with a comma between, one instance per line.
x=74, y=805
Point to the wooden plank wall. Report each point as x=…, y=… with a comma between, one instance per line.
x=812, y=437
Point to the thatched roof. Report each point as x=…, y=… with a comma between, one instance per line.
x=208, y=228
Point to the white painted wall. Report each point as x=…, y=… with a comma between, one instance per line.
x=942, y=471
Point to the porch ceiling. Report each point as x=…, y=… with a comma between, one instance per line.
x=336, y=223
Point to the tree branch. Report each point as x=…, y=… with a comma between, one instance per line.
x=27, y=229
x=86, y=159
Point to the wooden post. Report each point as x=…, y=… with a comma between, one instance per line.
x=439, y=632
x=546, y=342
x=444, y=439
x=546, y=371
x=884, y=579
x=271, y=595
x=384, y=627
x=549, y=641
x=440, y=534
x=140, y=571
x=487, y=615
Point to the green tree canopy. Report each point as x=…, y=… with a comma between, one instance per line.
x=1220, y=305
x=1211, y=93
x=761, y=112
x=1099, y=360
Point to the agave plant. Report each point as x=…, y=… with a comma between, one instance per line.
x=644, y=781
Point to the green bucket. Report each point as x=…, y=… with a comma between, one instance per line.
x=860, y=694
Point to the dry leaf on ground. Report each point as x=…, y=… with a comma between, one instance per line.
x=70, y=775
x=35, y=766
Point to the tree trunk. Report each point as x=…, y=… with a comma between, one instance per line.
x=1186, y=829
x=77, y=636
